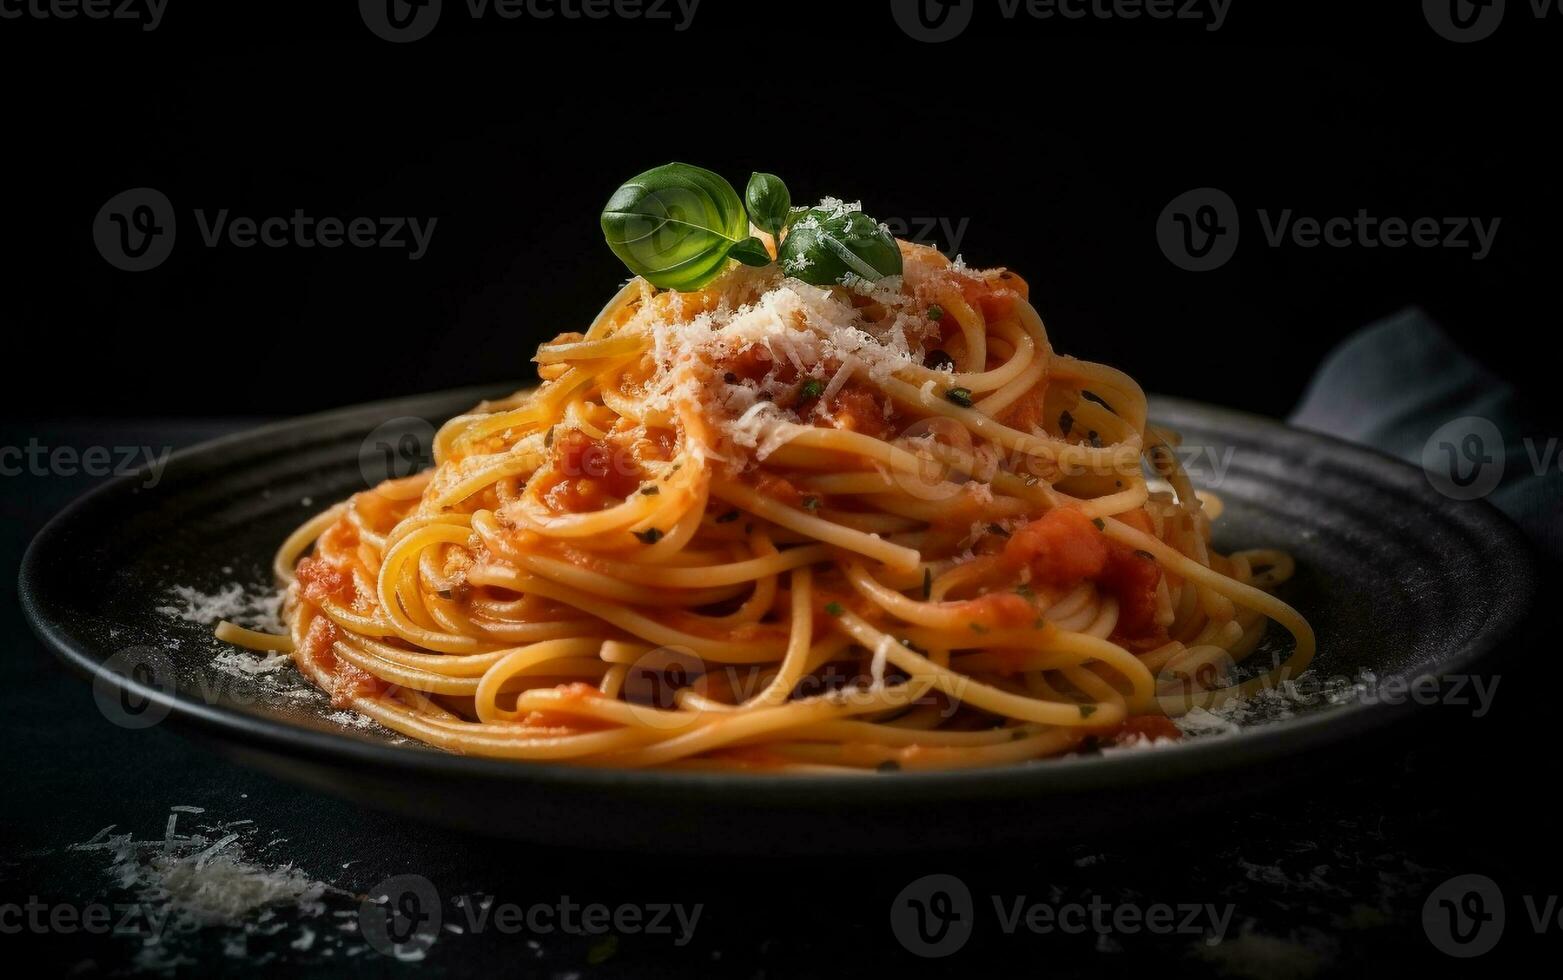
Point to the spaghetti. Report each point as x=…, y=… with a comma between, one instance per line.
x=769, y=525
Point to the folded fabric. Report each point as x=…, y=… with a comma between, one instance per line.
x=1402, y=386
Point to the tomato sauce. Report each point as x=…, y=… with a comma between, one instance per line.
x=857, y=409
x=321, y=580
x=1064, y=547
x=589, y=474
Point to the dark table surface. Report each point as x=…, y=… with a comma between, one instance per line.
x=1327, y=874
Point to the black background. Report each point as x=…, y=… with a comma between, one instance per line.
x=1058, y=143
x=1054, y=145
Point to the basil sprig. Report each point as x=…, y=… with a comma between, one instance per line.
x=677, y=226
x=770, y=203
x=825, y=246
x=674, y=225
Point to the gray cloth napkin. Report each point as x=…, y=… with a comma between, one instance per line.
x=1402, y=386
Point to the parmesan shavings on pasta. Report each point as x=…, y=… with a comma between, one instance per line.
x=813, y=332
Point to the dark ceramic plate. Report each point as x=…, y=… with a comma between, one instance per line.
x=1398, y=580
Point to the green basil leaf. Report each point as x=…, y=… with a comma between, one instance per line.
x=769, y=202
x=823, y=247
x=674, y=224
x=750, y=251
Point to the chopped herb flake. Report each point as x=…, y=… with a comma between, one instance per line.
x=811, y=503
x=1065, y=422
x=834, y=608
x=649, y=536
x=960, y=396
x=1101, y=525
x=938, y=360
x=812, y=388
x=1087, y=710
x=935, y=312
x=1094, y=397
x=650, y=491
x=728, y=517
x=602, y=950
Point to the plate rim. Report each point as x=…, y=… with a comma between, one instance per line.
x=1283, y=739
